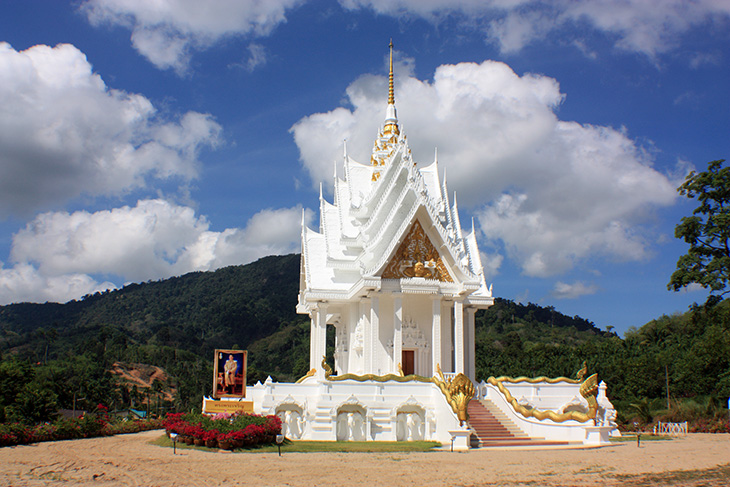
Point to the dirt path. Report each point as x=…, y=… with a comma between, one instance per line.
x=131, y=460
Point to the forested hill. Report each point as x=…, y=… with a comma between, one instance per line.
x=197, y=312
x=176, y=324
x=238, y=305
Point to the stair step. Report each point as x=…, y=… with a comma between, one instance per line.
x=494, y=429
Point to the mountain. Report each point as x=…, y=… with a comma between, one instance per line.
x=68, y=350
x=197, y=312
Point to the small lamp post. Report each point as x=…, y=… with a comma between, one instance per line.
x=279, y=441
x=173, y=437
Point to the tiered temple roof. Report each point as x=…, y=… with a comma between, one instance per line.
x=390, y=219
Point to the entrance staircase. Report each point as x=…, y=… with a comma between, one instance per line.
x=492, y=428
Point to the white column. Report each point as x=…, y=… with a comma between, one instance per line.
x=375, y=365
x=397, y=332
x=355, y=360
x=313, y=364
x=447, y=364
x=470, y=346
x=459, y=337
x=436, y=334
x=321, y=334
x=365, y=315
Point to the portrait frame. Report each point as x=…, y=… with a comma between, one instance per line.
x=226, y=383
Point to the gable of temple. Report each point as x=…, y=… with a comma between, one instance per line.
x=417, y=257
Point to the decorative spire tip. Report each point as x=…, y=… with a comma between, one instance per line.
x=391, y=93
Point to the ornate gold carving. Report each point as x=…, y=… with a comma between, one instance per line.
x=307, y=375
x=326, y=367
x=400, y=370
x=535, y=380
x=588, y=389
x=379, y=378
x=391, y=128
x=417, y=257
x=376, y=176
x=458, y=393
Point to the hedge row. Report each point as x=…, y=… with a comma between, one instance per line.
x=88, y=426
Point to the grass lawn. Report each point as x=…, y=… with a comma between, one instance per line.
x=318, y=446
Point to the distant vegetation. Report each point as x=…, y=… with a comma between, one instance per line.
x=59, y=355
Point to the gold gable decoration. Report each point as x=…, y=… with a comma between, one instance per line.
x=417, y=257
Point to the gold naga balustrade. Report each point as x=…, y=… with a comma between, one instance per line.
x=457, y=391
x=588, y=389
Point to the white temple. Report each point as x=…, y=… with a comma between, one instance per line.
x=390, y=267
x=392, y=271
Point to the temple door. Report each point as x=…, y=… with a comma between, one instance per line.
x=409, y=362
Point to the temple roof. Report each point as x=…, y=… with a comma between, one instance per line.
x=390, y=214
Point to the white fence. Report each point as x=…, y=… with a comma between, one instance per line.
x=670, y=428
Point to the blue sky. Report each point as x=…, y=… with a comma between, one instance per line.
x=142, y=140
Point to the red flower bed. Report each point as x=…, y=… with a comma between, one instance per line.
x=229, y=430
x=88, y=426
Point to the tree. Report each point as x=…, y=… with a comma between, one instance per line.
x=707, y=231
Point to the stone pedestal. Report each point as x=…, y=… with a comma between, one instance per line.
x=460, y=439
x=597, y=435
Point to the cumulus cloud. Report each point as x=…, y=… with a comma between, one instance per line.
x=23, y=283
x=167, y=32
x=641, y=26
x=552, y=192
x=563, y=290
x=64, y=133
x=56, y=254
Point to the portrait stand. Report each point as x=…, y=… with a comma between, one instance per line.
x=229, y=373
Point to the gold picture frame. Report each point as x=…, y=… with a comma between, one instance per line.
x=229, y=373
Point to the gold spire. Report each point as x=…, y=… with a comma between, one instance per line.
x=388, y=135
x=391, y=94
x=391, y=119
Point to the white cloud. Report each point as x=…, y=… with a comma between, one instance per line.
x=167, y=31
x=56, y=254
x=257, y=56
x=553, y=192
x=693, y=287
x=564, y=290
x=64, y=133
x=491, y=264
x=648, y=27
x=23, y=283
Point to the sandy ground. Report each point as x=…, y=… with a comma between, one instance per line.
x=131, y=460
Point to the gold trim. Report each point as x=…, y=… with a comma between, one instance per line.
x=307, y=375
x=417, y=257
x=458, y=391
x=588, y=389
x=535, y=380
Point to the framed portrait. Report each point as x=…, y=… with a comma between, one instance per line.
x=229, y=373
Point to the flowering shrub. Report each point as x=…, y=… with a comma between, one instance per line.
x=714, y=425
x=88, y=426
x=237, y=428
